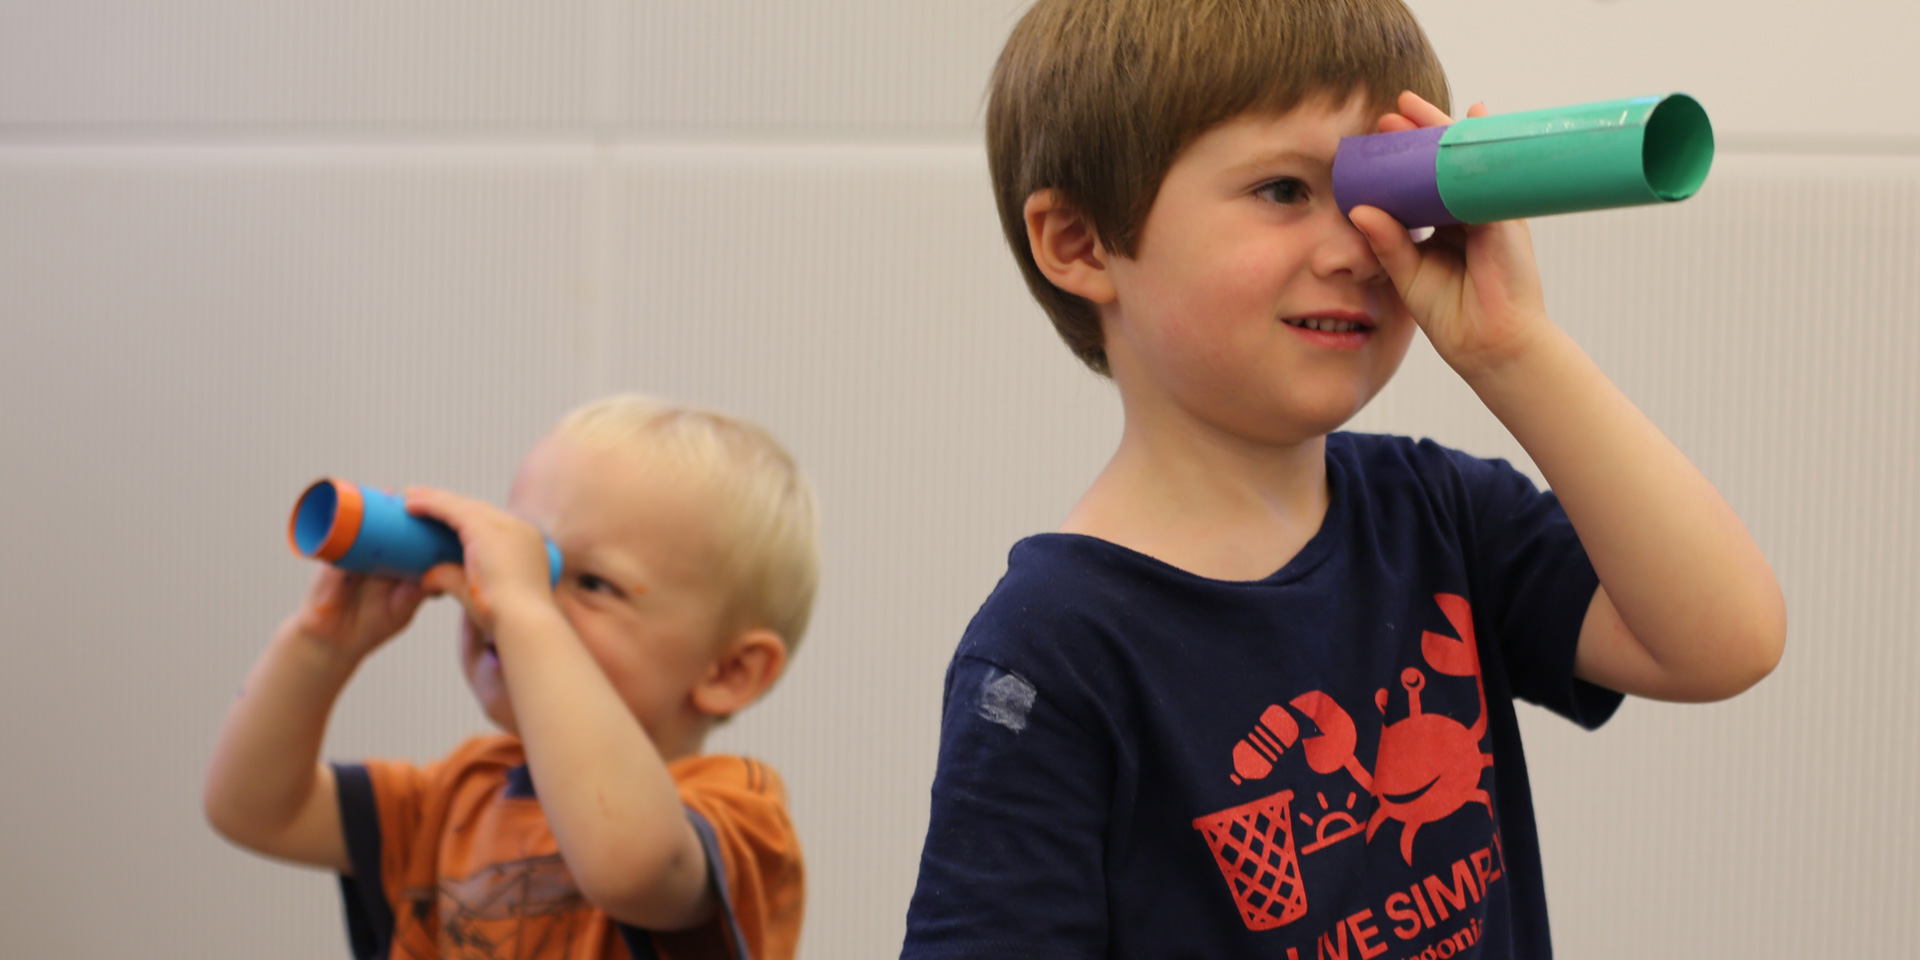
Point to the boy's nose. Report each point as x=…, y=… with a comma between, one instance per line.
x=1342, y=248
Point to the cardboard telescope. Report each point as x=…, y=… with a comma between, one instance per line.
x=369, y=531
x=1594, y=156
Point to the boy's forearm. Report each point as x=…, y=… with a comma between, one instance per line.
x=603, y=784
x=1674, y=560
x=266, y=789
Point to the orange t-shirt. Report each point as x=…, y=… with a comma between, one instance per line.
x=456, y=860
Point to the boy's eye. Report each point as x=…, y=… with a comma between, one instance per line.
x=594, y=584
x=1284, y=191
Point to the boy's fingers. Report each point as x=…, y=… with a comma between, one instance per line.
x=1477, y=110
x=423, y=500
x=332, y=588
x=1389, y=241
x=1410, y=101
x=1417, y=109
x=405, y=599
x=1396, y=123
x=445, y=578
x=451, y=580
x=448, y=508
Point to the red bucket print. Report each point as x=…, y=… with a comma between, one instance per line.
x=1253, y=845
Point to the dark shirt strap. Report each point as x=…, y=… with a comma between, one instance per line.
x=369, y=917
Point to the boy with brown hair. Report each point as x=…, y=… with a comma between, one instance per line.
x=1255, y=697
x=689, y=573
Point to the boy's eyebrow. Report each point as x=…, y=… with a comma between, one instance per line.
x=611, y=564
x=1277, y=157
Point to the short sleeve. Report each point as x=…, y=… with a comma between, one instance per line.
x=381, y=808
x=739, y=808
x=1014, y=861
x=1530, y=562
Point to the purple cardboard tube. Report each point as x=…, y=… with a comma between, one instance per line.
x=1397, y=172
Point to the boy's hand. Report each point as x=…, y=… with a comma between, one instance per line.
x=351, y=614
x=1473, y=288
x=506, y=558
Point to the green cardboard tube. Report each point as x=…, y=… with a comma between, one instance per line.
x=1617, y=153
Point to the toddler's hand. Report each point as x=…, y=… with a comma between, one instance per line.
x=351, y=614
x=1474, y=289
x=506, y=558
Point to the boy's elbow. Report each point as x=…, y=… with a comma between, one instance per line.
x=664, y=889
x=1769, y=643
x=223, y=815
x=235, y=823
x=1754, y=647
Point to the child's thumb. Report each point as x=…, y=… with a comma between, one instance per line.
x=451, y=579
x=1389, y=240
x=445, y=578
x=405, y=599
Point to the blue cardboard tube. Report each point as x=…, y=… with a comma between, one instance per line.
x=368, y=531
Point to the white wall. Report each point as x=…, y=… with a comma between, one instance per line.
x=243, y=244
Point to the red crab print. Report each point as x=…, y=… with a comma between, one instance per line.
x=1428, y=764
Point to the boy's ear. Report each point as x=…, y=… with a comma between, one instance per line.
x=1066, y=248
x=749, y=665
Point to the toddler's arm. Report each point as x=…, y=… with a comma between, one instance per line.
x=266, y=788
x=1688, y=608
x=605, y=791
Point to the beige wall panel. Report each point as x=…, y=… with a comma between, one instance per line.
x=835, y=68
x=852, y=67
x=1769, y=327
x=189, y=338
x=423, y=65
x=861, y=304
x=1770, y=72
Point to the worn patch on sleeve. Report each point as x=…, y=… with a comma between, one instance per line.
x=1006, y=700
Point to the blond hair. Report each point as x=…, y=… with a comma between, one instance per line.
x=1095, y=99
x=766, y=522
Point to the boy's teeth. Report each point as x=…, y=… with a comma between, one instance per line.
x=1326, y=325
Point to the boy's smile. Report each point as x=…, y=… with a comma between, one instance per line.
x=1252, y=306
x=1335, y=329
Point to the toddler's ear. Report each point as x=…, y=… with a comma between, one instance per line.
x=1066, y=248
x=749, y=665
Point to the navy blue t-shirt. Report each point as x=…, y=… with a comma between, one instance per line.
x=1139, y=762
